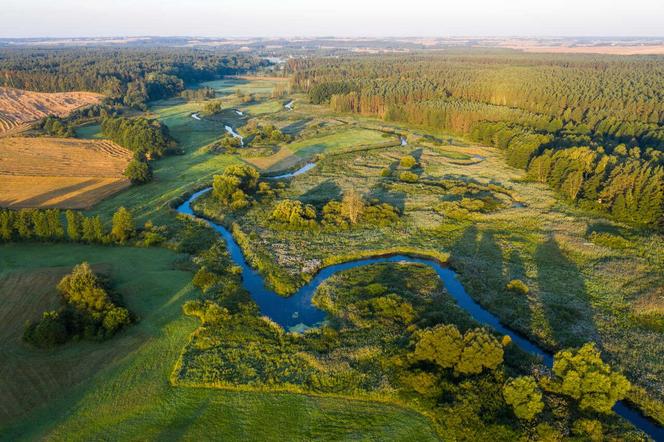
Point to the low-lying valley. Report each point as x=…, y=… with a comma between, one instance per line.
x=213, y=247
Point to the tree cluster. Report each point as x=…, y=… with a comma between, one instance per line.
x=89, y=311
x=150, y=138
x=235, y=186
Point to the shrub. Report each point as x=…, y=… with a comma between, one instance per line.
x=123, y=225
x=468, y=354
x=294, y=213
x=48, y=332
x=582, y=375
x=408, y=177
x=517, y=286
x=524, y=396
x=408, y=161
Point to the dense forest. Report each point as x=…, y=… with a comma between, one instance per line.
x=591, y=127
x=129, y=76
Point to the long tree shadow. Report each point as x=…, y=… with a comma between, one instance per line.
x=562, y=293
x=384, y=194
x=320, y=194
x=479, y=260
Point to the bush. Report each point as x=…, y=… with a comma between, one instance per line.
x=524, y=396
x=90, y=311
x=408, y=161
x=408, y=177
x=294, y=213
x=138, y=171
x=517, y=286
x=48, y=332
x=582, y=375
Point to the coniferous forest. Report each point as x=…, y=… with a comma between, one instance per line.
x=591, y=127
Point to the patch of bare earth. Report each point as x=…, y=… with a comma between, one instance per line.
x=60, y=172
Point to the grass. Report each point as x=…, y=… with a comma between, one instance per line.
x=328, y=142
x=119, y=389
x=580, y=289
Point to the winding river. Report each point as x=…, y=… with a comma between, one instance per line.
x=296, y=313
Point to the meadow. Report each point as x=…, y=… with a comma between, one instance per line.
x=120, y=389
x=589, y=279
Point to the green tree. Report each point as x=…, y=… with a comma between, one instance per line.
x=6, y=225
x=582, y=375
x=23, y=223
x=524, y=396
x=138, y=170
x=74, y=225
x=93, y=229
x=480, y=350
x=123, y=225
x=441, y=345
x=408, y=161
x=54, y=222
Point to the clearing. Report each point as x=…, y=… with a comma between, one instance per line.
x=59, y=172
x=18, y=108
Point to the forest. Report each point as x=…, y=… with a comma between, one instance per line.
x=591, y=127
x=129, y=76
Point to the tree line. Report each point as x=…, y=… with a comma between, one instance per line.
x=127, y=76
x=592, y=127
x=48, y=225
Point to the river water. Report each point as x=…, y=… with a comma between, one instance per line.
x=296, y=312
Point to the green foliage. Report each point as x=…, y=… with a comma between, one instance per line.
x=582, y=375
x=139, y=170
x=233, y=187
x=89, y=311
x=50, y=331
x=148, y=137
x=524, y=396
x=589, y=428
x=408, y=162
x=517, y=286
x=468, y=354
x=408, y=177
x=123, y=225
x=294, y=213
x=56, y=127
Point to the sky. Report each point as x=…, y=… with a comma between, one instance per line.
x=289, y=18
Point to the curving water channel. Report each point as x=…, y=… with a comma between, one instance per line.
x=296, y=313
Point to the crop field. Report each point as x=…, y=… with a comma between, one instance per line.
x=58, y=172
x=19, y=107
x=91, y=390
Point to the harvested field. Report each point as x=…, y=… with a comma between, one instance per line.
x=19, y=107
x=57, y=172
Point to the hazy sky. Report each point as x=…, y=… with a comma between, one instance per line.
x=224, y=18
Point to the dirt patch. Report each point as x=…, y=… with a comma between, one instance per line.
x=19, y=107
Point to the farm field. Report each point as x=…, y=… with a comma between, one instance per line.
x=19, y=107
x=57, y=172
x=99, y=389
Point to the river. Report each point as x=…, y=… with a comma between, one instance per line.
x=296, y=312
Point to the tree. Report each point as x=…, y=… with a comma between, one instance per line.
x=582, y=375
x=74, y=226
x=408, y=161
x=468, y=354
x=480, y=350
x=352, y=206
x=138, y=170
x=524, y=396
x=441, y=345
x=48, y=332
x=6, y=225
x=93, y=229
x=123, y=225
